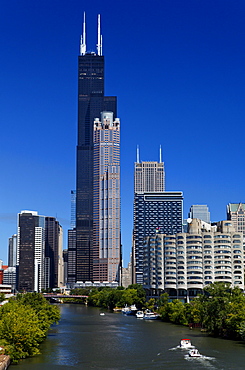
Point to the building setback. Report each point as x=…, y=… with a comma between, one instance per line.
x=106, y=203
x=184, y=263
x=91, y=102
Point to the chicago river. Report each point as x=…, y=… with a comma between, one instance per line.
x=84, y=339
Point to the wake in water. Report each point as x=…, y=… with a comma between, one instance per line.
x=202, y=360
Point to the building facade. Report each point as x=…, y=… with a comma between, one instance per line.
x=54, y=274
x=91, y=102
x=154, y=211
x=236, y=213
x=184, y=263
x=200, y=211
x=31, y=251
x=106, y=201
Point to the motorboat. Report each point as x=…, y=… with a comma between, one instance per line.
x=140, y=314
x=185, y=343
x=194, y=353
x=102, y=314
x=131, y=310
x=149, y=315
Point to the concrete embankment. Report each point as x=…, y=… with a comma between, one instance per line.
x=4, y=362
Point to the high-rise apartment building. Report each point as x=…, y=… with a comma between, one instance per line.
x=31, y=251
x=91, y=102
x=184, y=263
x=106, y=202
x=236, y=213
x=200, y=211
x=154, y=208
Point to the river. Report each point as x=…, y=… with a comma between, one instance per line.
x=84, y=339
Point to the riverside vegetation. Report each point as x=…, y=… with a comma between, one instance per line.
x=24, y=324
x=220, y=310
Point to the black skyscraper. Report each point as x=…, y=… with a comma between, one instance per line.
x=91, y=102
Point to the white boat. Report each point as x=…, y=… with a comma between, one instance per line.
x=140, y=314
x=148, y=315
x=194, y=353
x=129, y=310
x=102, y=314
x=185, y=343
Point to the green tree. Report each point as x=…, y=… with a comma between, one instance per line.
x=20, y=330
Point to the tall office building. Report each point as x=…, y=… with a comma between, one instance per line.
x=106, y=204
x=236, y=213
x=31, y=248
x=53, y=253
x=91, y=102
x=12, y=251
x=200, y=211
x=39, y=252
x=154, y=208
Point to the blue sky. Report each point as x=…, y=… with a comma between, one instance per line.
x=177, y=68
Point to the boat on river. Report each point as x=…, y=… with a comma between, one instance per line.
x=149, y=315
x=131, y=310
x=194, y=353
x=185, y=343
x=140, y=314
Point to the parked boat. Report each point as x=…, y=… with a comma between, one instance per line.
x=194, y=353
x=131, y=310
x=185, y=343
x=140, y=314
x=149, y=315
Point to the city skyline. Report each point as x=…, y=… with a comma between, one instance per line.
x=178, y=73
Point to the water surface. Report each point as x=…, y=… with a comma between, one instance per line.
x=86, y=340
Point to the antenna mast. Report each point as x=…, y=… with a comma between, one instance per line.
x=83, y=38
x=99, y=44
x=138, y=154
x=160, y=154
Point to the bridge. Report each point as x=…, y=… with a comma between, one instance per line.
x=62, y=296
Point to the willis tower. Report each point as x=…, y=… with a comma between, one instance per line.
x=91, y=102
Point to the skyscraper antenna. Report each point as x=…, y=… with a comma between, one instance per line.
x=99, y=44
x=160, y=154
x=83, y=38
x=138, y=154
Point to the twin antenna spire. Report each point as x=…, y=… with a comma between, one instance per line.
x=83, y=38
x=138, y=154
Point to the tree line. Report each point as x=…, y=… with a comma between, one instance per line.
x=24, y=324
x=219, y=310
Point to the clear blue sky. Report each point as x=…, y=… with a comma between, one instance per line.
x=177, y=67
